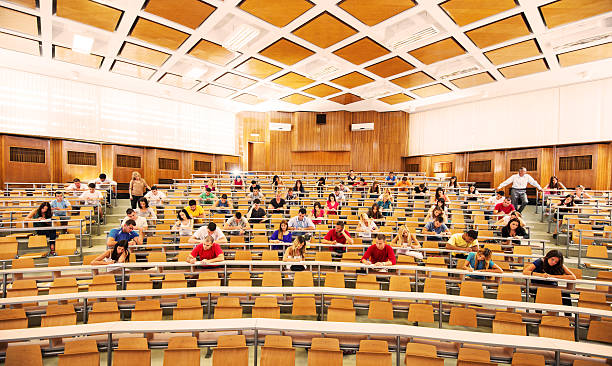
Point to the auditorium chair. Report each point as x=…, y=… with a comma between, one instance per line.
x=227, y=308
x=325, y=351
x=147, y=310
x=556, y=327
x=231, y=350
x=420, y=354
x=277, y=351
x=65, y=246
x=132, y=351
x=304, y=306
x=265, y=307
x=23, y=354
x=182, y=351
x=420, y=313
x=174, y=280
x=380, y=310
x=509, y=323
x=366, y=282
x=509, y=292
x=527, y=359
x=471, y=289
x=599, y=330
x=461, y=316
x=83, y=352
x=13, y=319
x=58, y=315
x=474, y=357
x=435, y=285
x=8, y=247
x=104, y=312
x=549, y=295
x=373, y=352
x=36, y=242
x=188, y=309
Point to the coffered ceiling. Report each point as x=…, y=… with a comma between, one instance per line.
x=314, y=55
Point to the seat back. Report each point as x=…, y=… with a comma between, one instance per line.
x=382, y=310
x=509, y=323
x=266, y=307
x=325, y=351
x=277, y=350
x=231, y=350
x=341, y=310
x=556, y=327
x=272, y=279
x=419, y=354
x=227, y=308
x=104, y=312
x=548, y=295
x=334, y=279
x=471, y=289
x=188, y=309
x=435, y=285
x=132, y=352
x=473, y=356
x=13, y=319
x=304, y=306
x=182, y=351
x=421, y=313
x=303, y=279
x=27, y=354
x=373, y=352
x=510, y=292
x=58, y=315
x=527, y=359
x=147, y=310
x=81, y=351
x=465, y=317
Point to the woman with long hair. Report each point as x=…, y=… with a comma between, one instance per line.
x=137, y=189
x=512, y=230
x=317, y=215
x=183, y=224
x=296, y=253
x=120, y=253
x=366, y=227
x=550, y=266
x=42, y=218
x=375, y=214
x=407, y=242
x=281, y=235
x=472, y=193
x=438, y=196
x=481, y=261
x=298, y=188
x=434, y=212
x=513, y=215
x=331, y=207
x=374, y=190
x=143, y=209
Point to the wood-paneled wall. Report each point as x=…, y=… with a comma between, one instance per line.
x=329, y=147
x=548, y=164
x=56, y=168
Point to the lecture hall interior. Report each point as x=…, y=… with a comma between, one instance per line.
x=305, y=182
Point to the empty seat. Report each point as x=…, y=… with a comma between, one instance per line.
x=527, y=359
x=8, y=247
x=272, y=279
x=421, y=313
x=104, y=312
x=182, y=351
x=59, y=262
x=266, y=307
x=228, y=308
x=304, y=306
x=13, y=319
x=465, y=317
x=419, y=354
x=435, y=285
x=381, y=310
x=341, y=310
x=132, y=352
x=83, y=352
x=474, y=357
x=325, y=351
x=277, y=351
x=58, y=315
x=147, y=310
x=66, y=246
x=599, y=330
x=231, y=350
x=26, y=354
x=509, y=323
x=188, y=309
x=471, y=289
x=556, y=327
x=509, y=292
x=103, y=283
x=373, y=352
x=548, y=295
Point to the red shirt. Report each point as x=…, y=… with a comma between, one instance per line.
x=332, y=235
x=500, y=207
x=376, y=255
x=213, y=252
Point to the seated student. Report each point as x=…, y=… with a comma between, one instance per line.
x=513, y=230
x=366, y=227
x=344, y=189
x=408, y=242
x=253, y=186
x=237, y=224
x=453, y=185
x=141, y=222
x=551, y=266
x=195, y=211
x=373, y=190
x=481, y=261
x=564, y=207
x=296, y=252
x=59, y=206
x=143, y=209
x=298, y=224
x=331, y=206
x=467, y=242
x=256, y=194
x=403, y=184
x=391, y=178
x=420, y=191
x=207, y=197
x=497, y=199
x=238, y=183
x=437, y=228
x=436, y=212
x=351, y=177
x=256, y=213
x=183, y=224
x=472, y=193
x=336, y=236
x=211, y=184
x=120, y=253
x=42, y=217
x=277, y=204
x=155, y=197
x=125, y=232
x=92, y=197
x=339, y=195
x=223, y=205
x=439, y=195
x=503, y=208
x=207, y=251
x=76, y=186
x=553, y=186
x=209, y=230
x=379, y=254
x=277, y=183
x=108, y=185
x=320, y=185
x=281, y=235
x=513, y=215
x=375, y=214
x=385, y=205
x=317, y=215
x=299, y=190
x=580, y=195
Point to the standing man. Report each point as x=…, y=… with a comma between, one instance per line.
x=518, y=193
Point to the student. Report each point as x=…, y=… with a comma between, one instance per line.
x=551, y=266
x=379, y=254
x=211, y=184
x=339, y=195
x=137, y=188
x=391, y=179
x=553, y=186
x=472, y=193
x=403, y=184
x=76, y=186
x=453, y=185
x=351, y=178
x=277, y=204
x=366, y=227
x=296, y=253
x=253, y=186
x=141, y=222
x=125, y=232
x=408, y=242
x=317, y=215
x=238, y=182
x=237, y=224
x=184, y=224
x=209, y=230
x=207, y=197
x=256, y=214
x=512, y=230
x=320, y=185
x=120, y=253
x=375, y=214
x=436, y=228
x=439, y=195
x=513, y=215
x=420, y=191
x=277, y=183
x=223, y=205
x=385, y=205
x=481, y=261
x=92, y=197
x=497, y=199
x=436, y=212
x=338, y=235
x=299, y=190
x=580, y=194
x=194, y=210
x=519, y=188
x=331, y=206
x=564, y=207
x=281, y=235
x=374, y=190
x=143, y=209
x=301, y=222
x=42, y=218
x=256, y=194
x=155, y=196
x=467, y=241
x=107, y=185
x=59, y=206
x=504, y=208
x=207, y=251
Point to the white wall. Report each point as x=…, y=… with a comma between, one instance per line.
x=568, y=114
x=37, y=105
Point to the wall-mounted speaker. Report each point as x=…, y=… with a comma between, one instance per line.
x=321, y=118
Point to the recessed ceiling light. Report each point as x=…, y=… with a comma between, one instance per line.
x=195, y=73
x=240, y=37
x=82, y=44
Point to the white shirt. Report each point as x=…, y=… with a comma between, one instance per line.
x=155, y=199
x=519, y=182
x=202, y=233
x=73, y=187
x=103, y=185
x=494, y=201
x=140, y=221
x=91, y=198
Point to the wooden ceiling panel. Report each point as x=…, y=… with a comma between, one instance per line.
x=217, y=91
x=438, y=51
x=158, y=34
x=27, y=3
x=526, y=68
x=396, y=98
x=257, y=68
x=297, y=99
x=213, y=53
x=431, y=90
x=248, y=99
x=142, y=54
x=89, y=12
x=412, y=80
x=393, y=66
x=19, y=44
x=473, y=80
x=235, y=81
x=515, y=52
x=373, y=12
x=464, y=12
x=18, y=21
x=126, y=68
x=177, y=81
x=286, y=52
x=190, y=13
x=293, y=80
x=346, y=98
x=500, y=31
x=568, y=11
x=324, y=30
x=585, y=55
x=278, y=13
x=361, y=51
x=322, y=90
x=352, y=80
x=68, y=55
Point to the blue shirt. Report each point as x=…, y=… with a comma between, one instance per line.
x=391, y=180
x=471, y=259
x=286, y=239
x=62, y=205
x=119, y=234
x=438, y=230
x=385, y=206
